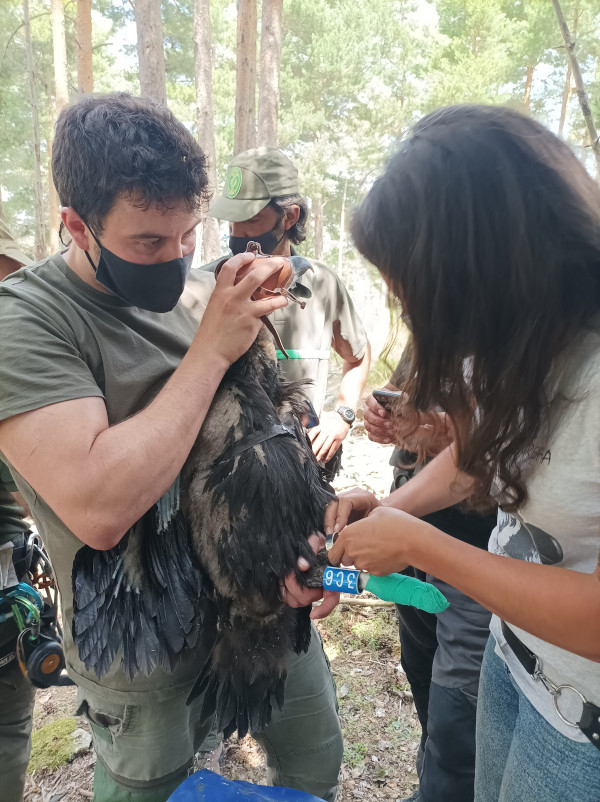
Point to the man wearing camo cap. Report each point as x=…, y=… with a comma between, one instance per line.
x=262, y=203
x=11, y=256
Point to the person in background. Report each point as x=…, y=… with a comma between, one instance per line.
x=262, y=203
x=487, y=229
x=440, y=654
x=16, y=692
x=11, y=256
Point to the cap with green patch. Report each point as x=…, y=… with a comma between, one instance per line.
x=253, y=178
x=9, y=247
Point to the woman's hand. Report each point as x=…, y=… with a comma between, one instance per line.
x=378, y=422
x=380, y=543
x=352, y=505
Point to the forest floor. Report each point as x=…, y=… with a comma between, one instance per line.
x=381, y=730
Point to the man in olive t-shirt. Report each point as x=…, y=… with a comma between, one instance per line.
x=105, y=381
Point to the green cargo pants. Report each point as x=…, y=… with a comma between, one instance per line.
x=145, y=751
x=16, y=717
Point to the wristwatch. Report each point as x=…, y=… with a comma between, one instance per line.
x=347, y=414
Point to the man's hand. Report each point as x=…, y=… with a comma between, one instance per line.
x=328, y=435
x=350, y=506
x=380, y=543
x=297, y=596
x=232, y=319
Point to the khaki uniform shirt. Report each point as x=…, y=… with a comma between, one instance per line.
x=328, y=320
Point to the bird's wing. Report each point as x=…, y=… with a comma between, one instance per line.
x=145, y=598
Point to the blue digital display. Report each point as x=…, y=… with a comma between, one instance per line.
x=342, y=580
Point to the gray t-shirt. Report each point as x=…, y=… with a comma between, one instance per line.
x=63, y=340
x=560, y=525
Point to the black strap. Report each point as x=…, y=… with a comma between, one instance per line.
x=256, y=438
x=524, y=655
x=589, y=723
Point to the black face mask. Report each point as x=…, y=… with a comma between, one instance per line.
x=156, y=287
x=268, y=242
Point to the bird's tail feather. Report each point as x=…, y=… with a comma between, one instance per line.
x=245, y=678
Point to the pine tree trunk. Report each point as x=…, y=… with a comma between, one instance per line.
x=38, y=194
x=53, y=201
x=565, y=101
x=244, y=136
x=317, y=210
x=150, y=48
x=85, y=74
x=567, y=89
x=211, y=247
x=528, y=82
x=581, y=93
x=342, y=234
x=270, y=60
x=61, y=86
x=61, y=99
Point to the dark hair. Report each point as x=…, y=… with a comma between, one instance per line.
x=297, y=233
x=487, y=228
x=108, y=146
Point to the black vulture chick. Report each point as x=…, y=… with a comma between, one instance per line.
x=206, y=562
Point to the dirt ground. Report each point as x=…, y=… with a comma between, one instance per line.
x=381, y=730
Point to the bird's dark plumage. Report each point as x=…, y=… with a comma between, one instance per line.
x=207, y=561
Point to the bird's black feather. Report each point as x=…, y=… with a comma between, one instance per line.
x=211, y=566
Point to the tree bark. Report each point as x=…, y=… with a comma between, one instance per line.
x=211, y=247
x=150, y=48
x=38, y=203
x=528, y=82
x=244, y=136
x=581, y=93
x=566, y=95
x=317, y=209
x=61, y=99
x=85, y=74
x=53, y=202
x=270, y=61
x=342, y=234
x=61, y=85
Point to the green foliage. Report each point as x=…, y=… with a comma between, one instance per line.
x=354, y=77
x=52, y=745
x=354, y=753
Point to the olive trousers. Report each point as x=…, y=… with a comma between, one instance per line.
x=16, y=717
x=145, y=751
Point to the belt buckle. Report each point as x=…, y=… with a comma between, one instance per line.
x=555, y=691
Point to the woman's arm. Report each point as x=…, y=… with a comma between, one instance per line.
x=438, y=485
x=555, y=604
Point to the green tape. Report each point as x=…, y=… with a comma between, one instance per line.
x=303, y=353
x=407, y=590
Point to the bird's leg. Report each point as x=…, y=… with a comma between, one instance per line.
x=313, y=578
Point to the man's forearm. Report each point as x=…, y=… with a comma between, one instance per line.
x=156, y=441
x=111, y=475
x=354, y=377
x=438, y=485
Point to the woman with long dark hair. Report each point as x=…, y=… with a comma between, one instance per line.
x=487, y=229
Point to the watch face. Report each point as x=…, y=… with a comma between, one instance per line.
x=346, y=413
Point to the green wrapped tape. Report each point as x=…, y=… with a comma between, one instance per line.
x=407, y=590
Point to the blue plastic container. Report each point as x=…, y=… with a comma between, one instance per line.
x=206, y=786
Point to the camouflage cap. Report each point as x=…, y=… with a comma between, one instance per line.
x=253, y=178
x=9, y=247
